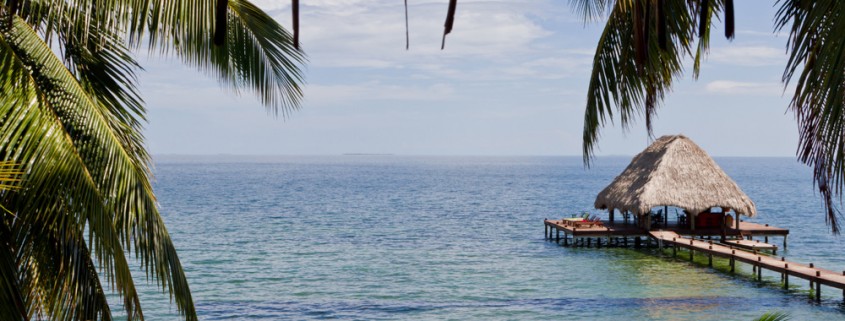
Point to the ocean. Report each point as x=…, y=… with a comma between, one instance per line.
x=457, y=238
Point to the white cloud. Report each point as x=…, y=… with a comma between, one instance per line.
x=375, y=91
x=766, y=34
x=371, y=34
x=748, y=55
x=744, y=88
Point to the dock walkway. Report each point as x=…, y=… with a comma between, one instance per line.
x=611, y=229
x=815, y=275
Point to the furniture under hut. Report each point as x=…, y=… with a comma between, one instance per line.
x=674, y=171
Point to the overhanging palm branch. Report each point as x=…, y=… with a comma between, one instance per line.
x=636, y=61
x=72, y=115
x=816, y=49
x=75, y=169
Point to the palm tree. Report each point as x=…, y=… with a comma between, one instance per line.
x=71, y=114
x=644, y=42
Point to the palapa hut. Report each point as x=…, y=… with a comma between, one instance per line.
x=674, y=171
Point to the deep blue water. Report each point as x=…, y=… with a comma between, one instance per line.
x=456, y=238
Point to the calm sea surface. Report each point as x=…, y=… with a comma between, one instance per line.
x=456, y=238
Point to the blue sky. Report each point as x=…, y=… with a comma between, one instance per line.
x=512, y=81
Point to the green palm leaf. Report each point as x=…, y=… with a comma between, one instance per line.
x=773, y=316
x=75, y=154
x=50, y=125
x=619, y=83
x=816, y=51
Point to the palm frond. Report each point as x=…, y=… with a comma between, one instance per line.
x=815, y=50
x=773, y=316
x=58, y=269
x=187, y=29
x=11, y=295
x=44, y=128
x=258, y=55
x=597, y=9
x=619, y=84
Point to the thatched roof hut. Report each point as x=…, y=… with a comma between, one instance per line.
x=674, y=171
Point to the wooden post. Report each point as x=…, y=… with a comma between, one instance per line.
x=786, y=276
x=557, y=237
x=732, y=263
x=565, y=238
x=611, y=215
x=784, y=241
x=691, y=251
x=546, y=231
x=818, y=288
x=766, y=239
x=692, y=222
x=710, y=260
x=674, y=250
x=589, y=241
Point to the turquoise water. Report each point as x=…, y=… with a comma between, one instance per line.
x=455, y=238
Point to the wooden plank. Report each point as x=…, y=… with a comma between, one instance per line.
x=814, y=274
x=751, y=245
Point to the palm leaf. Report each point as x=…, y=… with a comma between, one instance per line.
x=815, y=58
x=41, y=121
x=186, y=28
x=56, y=123
x=773, y=316
x=619, y=84
x=259, y=56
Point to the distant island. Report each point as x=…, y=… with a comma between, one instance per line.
x=366, y=154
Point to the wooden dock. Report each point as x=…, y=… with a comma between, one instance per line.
x=752, y=245
x=609, y=230
x=737, y=246
x=816, y=276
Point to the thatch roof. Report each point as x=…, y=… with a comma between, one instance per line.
x=674, y=171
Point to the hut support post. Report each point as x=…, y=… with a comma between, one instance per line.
x=710, y=260
x=611, y=215
x=557, y=237
x=786, y=281
x=784, y=241
x=732, y=263
x=692, y=222
x=546, y=231
x=818, y=292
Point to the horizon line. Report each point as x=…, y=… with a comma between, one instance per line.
x=431, y=155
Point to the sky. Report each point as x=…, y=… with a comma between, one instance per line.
x=512, y=80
